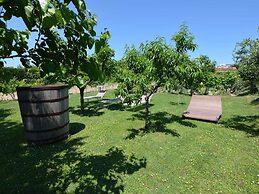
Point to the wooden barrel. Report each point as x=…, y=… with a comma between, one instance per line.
x=45, y=113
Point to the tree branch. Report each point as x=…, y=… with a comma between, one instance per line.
x=14, y=56
x=38, y=38
x=88, y=82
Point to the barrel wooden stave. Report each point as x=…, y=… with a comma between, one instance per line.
x=50, y=136
x=45, y=123
x=31, y=95
x=44, y=108
x=44, y=113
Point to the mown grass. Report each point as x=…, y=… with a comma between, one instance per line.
x=107, y=153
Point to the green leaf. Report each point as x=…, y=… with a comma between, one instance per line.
x=80, y=81
x=44, y=4
x=1, y=64
x=80, y=6
x=2, y=24
x=50, y=68
x=28, y=10
x=67, y=14
x=25, y=62
x=8, y=15
x=50, y=19
x=90, y=42
x=67, y=1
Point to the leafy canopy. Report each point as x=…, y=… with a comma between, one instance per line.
x=246, y=55
x=153, y=65
x=63, y=35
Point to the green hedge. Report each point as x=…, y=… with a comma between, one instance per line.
x=13, y=77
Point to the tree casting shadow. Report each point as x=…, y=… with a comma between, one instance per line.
x=255, y=101
x=248, y=124
x=75, y=128
x=177, y=104
x=63, y=167
x=4, y=113
x=158, y=124
x=138, y=108
x=115, y=106
x=89, y=173
x=88, y=112
x=123, y=107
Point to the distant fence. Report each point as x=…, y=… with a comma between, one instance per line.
x=73, y=90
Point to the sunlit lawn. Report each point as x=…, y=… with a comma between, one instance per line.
x=106, y=153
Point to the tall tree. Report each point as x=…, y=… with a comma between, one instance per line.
x=207, y=67
x=63, y=37
x=81, y=75
x=190, y=75
x=246, y=55
x=188, y=72
x=150, y=67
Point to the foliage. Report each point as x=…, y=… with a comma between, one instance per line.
x=21, y=73
x=189, y=71
x=228, y=80
x=221, y=82
x=94, y=69
x=19, y=77
x=207, y=67
x=190, y=75
x=155, y=64
x=63, y=35
x=184, y=41
x=246, y=55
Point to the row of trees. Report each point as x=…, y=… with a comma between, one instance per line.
x=246, y=55
x=19, y=77
x=156, y=64
x=63, y=38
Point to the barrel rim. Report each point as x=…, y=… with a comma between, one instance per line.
x=41, y=88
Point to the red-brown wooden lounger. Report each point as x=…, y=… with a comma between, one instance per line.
x=206, y=108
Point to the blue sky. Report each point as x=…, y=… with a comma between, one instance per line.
x=216, y=25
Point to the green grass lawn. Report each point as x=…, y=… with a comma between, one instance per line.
x=106, y=153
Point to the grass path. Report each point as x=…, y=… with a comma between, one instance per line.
x=106, y=153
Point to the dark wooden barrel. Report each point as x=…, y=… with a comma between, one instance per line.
x=45, y=114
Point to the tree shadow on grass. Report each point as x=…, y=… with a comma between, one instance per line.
x=138, y=108
x=82, y=173
x=4, y=113
x=158, y=124
x=248, y=124
x=125, y=107
x=255, y=101
x=75, y=128
x=177, y=104
x=115, y=106
x=63, y=167
x=11, y=132
x=88, y=112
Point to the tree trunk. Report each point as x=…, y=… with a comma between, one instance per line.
x=206, y=90
x=254, y=88
x=191, y=92
x=147, y=115
x=82, y=102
